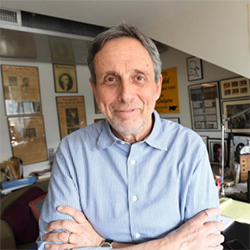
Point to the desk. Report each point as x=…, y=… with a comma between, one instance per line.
x=238, y=231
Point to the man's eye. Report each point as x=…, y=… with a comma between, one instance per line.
x=110, y=79
x=140, y=78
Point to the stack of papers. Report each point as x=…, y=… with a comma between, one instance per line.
x=237, y=210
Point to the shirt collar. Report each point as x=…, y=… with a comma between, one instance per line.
x=156, y=139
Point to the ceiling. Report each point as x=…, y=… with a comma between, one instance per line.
x=141, y=13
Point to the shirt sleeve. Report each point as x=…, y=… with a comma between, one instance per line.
x=63, y=190
x=202, y=192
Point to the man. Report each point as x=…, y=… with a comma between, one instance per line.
x=133, y=179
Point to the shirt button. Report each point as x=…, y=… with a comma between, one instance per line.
x=137, y=235
x=122, y=142
x=134, y=198
x=132, y=162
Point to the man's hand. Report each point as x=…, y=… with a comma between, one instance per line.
x=198, y=233
x=81, y=231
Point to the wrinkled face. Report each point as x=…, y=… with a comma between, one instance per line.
x=125, y=88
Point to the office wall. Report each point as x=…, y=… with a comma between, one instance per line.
x=171, y=58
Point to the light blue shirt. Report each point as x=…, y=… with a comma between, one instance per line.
x=131, y=192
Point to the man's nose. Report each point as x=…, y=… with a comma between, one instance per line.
x=126, y=91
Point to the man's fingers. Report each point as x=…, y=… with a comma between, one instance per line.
x=215, y=239
x=207, y=214
x=58, y=237
x=51, y=246
x=68, y=225
x=74, y=213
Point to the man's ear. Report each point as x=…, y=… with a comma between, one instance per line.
x=93, y=86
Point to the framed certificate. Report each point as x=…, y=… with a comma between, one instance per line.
x=205, y=106
x=71, y=114
x=21, y=90
x=28, y=140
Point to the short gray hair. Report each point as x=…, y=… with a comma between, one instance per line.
x=123, y=30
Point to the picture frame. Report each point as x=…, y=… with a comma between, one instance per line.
x=194, y=69
x=65, y=78
x=205, y=106
x=71, y=114
x=98, y=120
x=21, y=90
x=235, y=88
x=28, y=140
x=214, y=149
x=241, y=123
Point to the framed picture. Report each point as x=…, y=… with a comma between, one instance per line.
x=65, y=78
x=173, y=119
x=194, y=69
x=239, y=110
x=21, y=90
x=235, y=88
x=205, y=106
x=28, y=140
x=71, y=114
x=214, y=149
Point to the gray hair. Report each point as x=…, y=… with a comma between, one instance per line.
x=123, y=30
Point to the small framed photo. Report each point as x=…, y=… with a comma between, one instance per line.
x=215, y=151
x=239, y=110
x=235, y=88
x=65, y=78
x=194, y=69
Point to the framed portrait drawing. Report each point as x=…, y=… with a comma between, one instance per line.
x=28, y=140
x=194, y=69
x=239, y=111
x=215, y=151
x=65, y=78
x=205, y=107
x=235, y=88
x=71, y=114
x=21, y=90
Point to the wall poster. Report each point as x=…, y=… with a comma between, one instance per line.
x=71, y=114
x=21, y=90
x=28, y=140
x=169, y=99
x=205, y=106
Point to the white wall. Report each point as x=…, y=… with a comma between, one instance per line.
x=215, y=31
x=171, y=58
